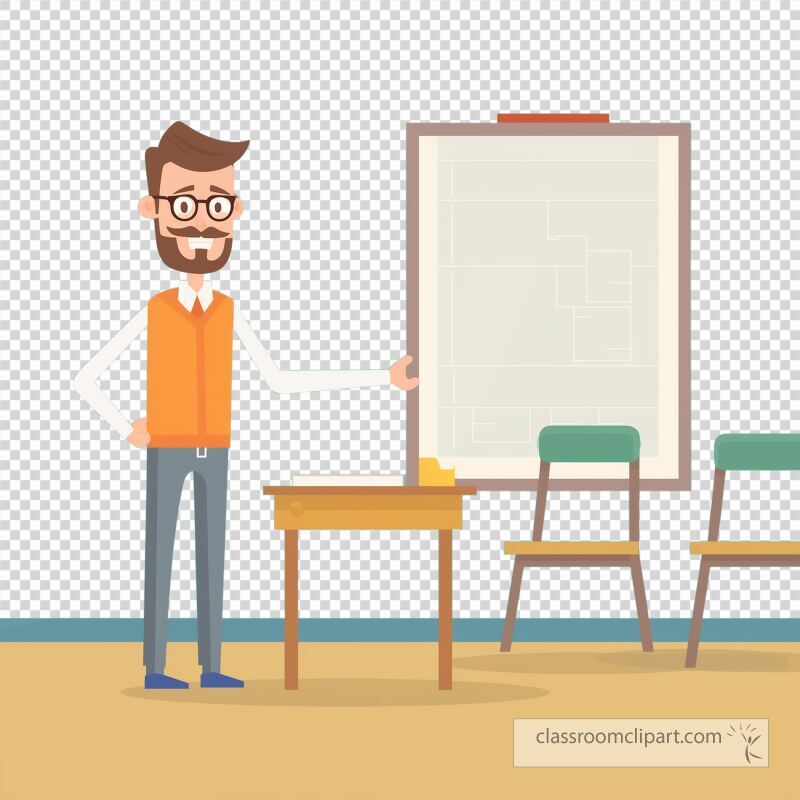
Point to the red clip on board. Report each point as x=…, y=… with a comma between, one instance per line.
x=553, y=118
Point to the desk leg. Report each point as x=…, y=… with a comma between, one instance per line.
x=290, y=611
x=445, y=609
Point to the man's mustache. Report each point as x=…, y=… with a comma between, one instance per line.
x=208, y=233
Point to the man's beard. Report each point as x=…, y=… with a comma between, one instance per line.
x=199, y=265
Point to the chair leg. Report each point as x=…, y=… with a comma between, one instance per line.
x=697, y=614
x=641, y=605
x=511, y=608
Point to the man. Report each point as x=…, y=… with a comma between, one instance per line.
x=192, y=202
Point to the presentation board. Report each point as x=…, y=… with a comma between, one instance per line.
x=548, y=283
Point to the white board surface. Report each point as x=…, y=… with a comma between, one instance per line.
x=548, y=293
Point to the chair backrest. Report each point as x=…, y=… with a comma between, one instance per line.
x=749, y=451
x=585, y=444
x=589, y=443
x=757, y=451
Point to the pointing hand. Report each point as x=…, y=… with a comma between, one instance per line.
x=399, y=377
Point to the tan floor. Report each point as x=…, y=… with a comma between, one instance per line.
x=368, y=721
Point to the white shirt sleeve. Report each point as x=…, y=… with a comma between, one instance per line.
x=85, y=382
x=297, y=380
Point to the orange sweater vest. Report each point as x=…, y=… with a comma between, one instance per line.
x=189, y=361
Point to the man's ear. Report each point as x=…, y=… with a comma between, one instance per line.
x=147, y=207
x=238, y=207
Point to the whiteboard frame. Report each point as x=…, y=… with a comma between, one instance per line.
x=682, y=131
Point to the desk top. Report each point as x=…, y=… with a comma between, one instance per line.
x=384, y=490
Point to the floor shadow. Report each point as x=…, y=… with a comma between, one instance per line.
x=345, y=693
x=713, y=660
x=631, y=661
x=571, y=662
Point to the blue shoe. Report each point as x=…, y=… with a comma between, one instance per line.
x=158, y=680
x=216, y=680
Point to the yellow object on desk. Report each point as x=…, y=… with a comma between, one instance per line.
x=431, y=474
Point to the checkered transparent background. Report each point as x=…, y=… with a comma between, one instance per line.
x=324, y=90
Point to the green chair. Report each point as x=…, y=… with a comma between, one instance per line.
x=741, y=451
x=582, y=443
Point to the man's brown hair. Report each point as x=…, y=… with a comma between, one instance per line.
x=189, y=149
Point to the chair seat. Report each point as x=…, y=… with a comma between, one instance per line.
x=571, y=548
x=589, y=443
x=758, y=451
x=747, y=548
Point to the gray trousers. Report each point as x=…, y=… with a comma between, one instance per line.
x=167, y=468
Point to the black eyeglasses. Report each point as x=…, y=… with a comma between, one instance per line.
x=184, y=206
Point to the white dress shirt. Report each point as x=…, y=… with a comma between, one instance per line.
x=278, y=380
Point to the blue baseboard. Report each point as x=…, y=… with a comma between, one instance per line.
x=403, y=630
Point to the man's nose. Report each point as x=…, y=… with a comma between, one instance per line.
x=202, y=220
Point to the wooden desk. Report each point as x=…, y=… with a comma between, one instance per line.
x=369, y=508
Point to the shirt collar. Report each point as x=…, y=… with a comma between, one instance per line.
x=187, y=295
